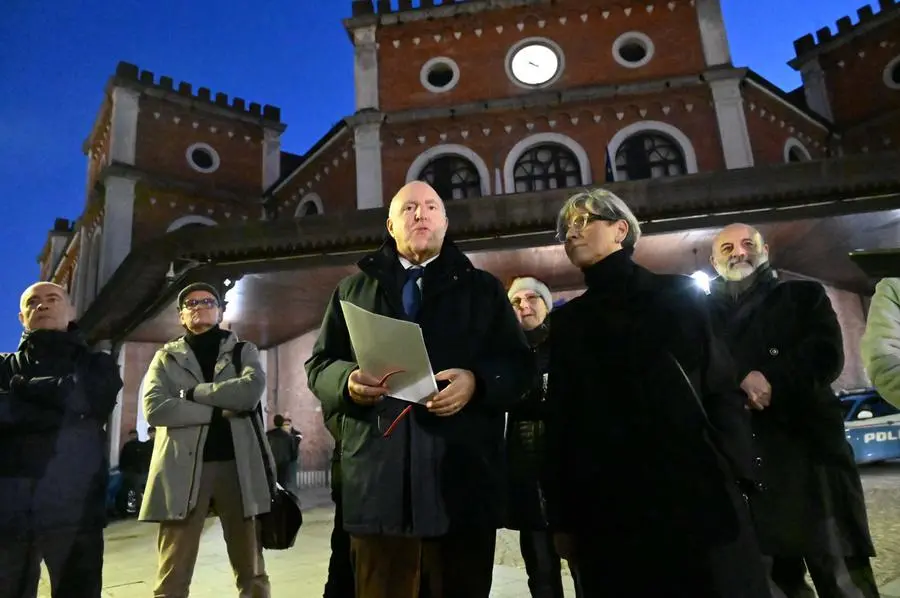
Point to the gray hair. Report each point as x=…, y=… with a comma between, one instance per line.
x=603, y=204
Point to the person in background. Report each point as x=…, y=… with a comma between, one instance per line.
x=881, y=341
x=208, y=451
x=525, y=445
x=57, y=397
x=787, y=346
x=285, y=448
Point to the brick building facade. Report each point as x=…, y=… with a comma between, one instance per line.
x=480, y=98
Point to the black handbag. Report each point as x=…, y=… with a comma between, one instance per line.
x=279, y=527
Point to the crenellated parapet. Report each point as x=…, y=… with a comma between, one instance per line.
x=129, y=74
x=845, y=28
x=368, y=7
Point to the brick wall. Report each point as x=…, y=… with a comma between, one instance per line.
x=165, y=131
x=591, y=125
x=137, y=359
x=854, y=75
x=771, y=123
x=584, y=30
x=330, y=174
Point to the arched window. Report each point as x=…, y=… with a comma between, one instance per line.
x=310, y=205
x=649, y=155
x=453, y=177
x=546, y=166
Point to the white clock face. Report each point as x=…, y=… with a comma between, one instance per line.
x=534, y=64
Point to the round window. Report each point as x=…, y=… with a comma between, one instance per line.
x=534, y=62
x=439, y=75
x=892, y=74
x=202, y=158
x=633, y=49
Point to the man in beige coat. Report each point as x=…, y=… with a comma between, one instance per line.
x=207, y=453
x=881, y=342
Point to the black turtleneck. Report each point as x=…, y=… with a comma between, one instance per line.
x=538, y=334
x=612, y=273
x=219, y=442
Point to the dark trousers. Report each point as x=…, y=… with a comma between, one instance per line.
x=457, y=565
x=833, y=576
x=74, y=561
x=340, y=570
x=541, y=563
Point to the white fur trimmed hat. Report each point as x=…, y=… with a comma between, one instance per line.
x=532, y=284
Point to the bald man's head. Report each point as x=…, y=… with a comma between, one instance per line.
x=45, y=306
x=417, y=221
x=738, y=251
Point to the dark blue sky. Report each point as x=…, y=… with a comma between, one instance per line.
x=294, y=54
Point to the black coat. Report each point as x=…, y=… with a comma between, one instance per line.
x=53, y=446
x=811, y=500
x=638, y=475
x=432, y=473
x=526, y=443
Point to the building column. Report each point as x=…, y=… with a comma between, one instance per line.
x=118, y=213
x=367, y=142
x=114, y=425
x=271, y=157
x=713, y=33
x=733, y=131
x=815, y=90
x=365, y=68
x=123, y=126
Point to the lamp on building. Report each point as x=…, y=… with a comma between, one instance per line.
x=701, y=278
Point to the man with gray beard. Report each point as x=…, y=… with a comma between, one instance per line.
x=786, y=342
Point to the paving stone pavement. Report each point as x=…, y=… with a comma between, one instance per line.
x=130, y=558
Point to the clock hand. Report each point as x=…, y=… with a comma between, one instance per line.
x=531, y=63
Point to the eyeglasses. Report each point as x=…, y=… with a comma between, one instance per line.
x=578, y=223
x=206, y=302
x=531, y=299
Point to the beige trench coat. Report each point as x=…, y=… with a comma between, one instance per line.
x=181, y=427
x=881, y=342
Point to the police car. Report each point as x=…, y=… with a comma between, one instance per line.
x=872, y=426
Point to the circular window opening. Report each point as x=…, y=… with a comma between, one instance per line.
x=439, y=75
x=892, y=74
x=202, y=158
x=795, y=155
x=633, y=49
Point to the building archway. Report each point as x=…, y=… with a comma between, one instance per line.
x=309, y=205
x=190, y=219
x=448, y=150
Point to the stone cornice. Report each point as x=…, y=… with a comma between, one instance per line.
x=448, y=9
x=117, y=169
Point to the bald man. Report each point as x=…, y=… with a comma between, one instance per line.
x=423, y=492
x=786, y=341
x=57, y=399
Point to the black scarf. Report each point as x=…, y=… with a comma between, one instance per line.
x=205, y=346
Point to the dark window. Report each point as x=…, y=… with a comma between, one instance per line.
x=632, y=51
x=549, y=166
x=452, y=177
x=202, y=159
x=795, y=155
x=440, y=75
x=895, y=74
x=649, y=156
x=308, y=209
